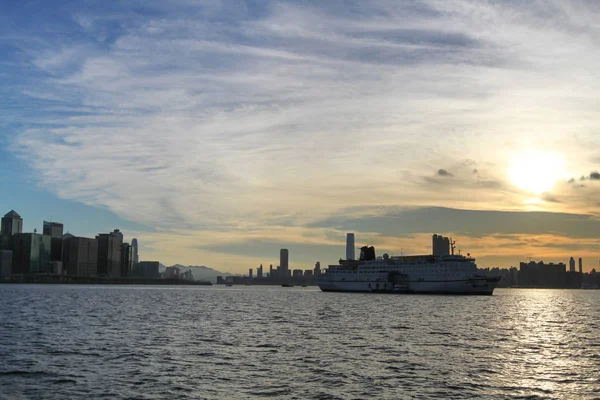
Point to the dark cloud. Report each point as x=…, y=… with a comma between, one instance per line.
x=551, y=199
x=400, y=222
x=444, y=173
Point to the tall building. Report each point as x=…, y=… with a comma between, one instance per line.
x=134, y=245
x=12, y=224
x=126, y=259
x=109, y=253
x=350, y=255
x=317, y=270
x=5, y=263
x=55, y=231
x=250, y=273
x=259, y=272
x=146, y=269
x=284, y=267
x=571, y=264
x=80, y=256
x=441, y=245
x=580, y=265
x=31, y=253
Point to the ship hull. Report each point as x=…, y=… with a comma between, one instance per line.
x=473, y=286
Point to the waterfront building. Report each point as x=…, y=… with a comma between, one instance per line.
x=571, y=264
x=284, y=256
x=250, y=273
x=317, y=270
x=6, y=257
x=31, y=253
x=126, y=259
x=308, y=273
x=147, y=269
x=543, y=275
x=109, y=253
x=298, y=273
x=259, y=272
x=441, y=245
x=134, y=245
x=55, y=231
x=350, y=254
x=271, y=270
x=80, y=256
x=12, y=224
x=172, y=272
x=580, y=265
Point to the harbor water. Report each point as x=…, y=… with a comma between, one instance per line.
x=251, y=342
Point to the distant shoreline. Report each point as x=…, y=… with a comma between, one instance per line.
x=83, y=280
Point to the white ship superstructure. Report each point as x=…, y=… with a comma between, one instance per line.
x=444, y=273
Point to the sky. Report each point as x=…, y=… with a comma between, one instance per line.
x=218, y=132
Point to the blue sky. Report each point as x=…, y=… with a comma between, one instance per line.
x=217, y=132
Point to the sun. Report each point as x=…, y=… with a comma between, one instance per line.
x=536, y=171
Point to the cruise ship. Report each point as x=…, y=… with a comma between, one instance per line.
x=442, y=272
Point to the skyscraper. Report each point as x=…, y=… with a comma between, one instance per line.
x=12, y=224
x=580, y=265
x=80, y=256
x=55, y=231
x=109, y=253
x=571, y=264
x=350, y=246
x=250, y=273
x=284, y=256
x=134, y=245
x=259, y=271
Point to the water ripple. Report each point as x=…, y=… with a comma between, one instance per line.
x=287, y=343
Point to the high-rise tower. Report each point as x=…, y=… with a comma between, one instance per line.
x=350, y=246
x=284, y=256
x=12, y=224
x=571, y=264
x=580, y=265
x=134, y=245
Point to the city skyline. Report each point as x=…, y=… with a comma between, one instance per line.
x=217, y=134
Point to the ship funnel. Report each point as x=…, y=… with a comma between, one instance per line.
x=350, y=247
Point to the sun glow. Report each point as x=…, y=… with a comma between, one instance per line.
x=536, y=171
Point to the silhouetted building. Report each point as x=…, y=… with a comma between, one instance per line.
x=12, y=224
x=317, y=270
x=126, y=259
x=441, y=245
x=542, y=275
x=271, y=270
x=55, y=231
x=172, y=272
x=80, y=256
x=283, y=262
x=250, y=273
x=571, y=264
x=6, y=257
x=109, y=254
x=259, y=272
x=147, y=269
x=580, y=265
x=350, y=254
x=31, y=253
x=134, y=245
x=308, y=273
